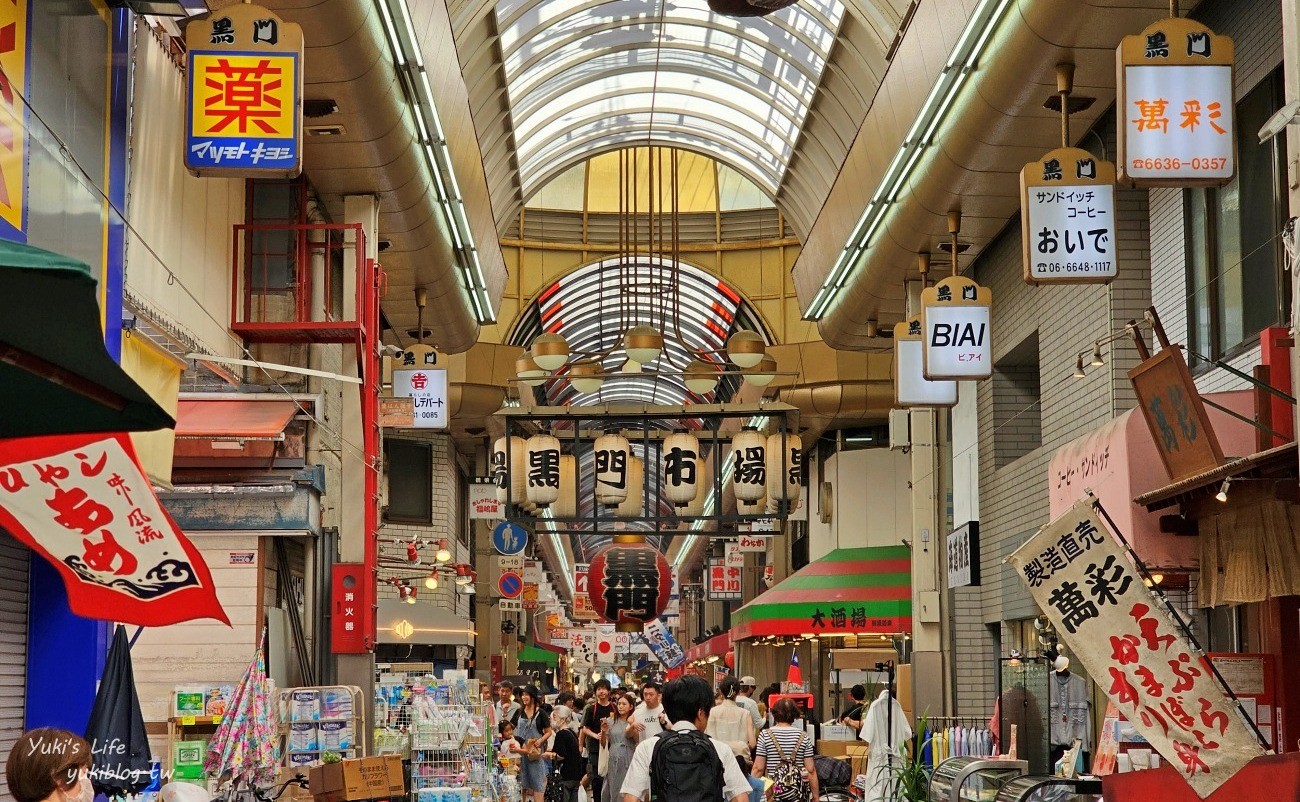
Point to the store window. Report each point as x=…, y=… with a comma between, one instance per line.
x=1017, y=401
x=1237, y=281
x=410, y=481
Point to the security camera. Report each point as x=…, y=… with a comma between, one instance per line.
x=390, y=350
x=1287, y=115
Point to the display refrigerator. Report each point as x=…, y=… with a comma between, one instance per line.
x=973, y=779
x=1050, y=789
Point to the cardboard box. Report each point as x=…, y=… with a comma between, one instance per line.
x=833, y=748
x=366, y=778
x=293, y=793
x=858, y=754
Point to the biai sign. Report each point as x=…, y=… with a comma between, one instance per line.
x=955, y=316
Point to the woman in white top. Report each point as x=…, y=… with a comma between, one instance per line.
x=729, y=722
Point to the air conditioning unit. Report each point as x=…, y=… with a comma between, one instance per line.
x=900, y=432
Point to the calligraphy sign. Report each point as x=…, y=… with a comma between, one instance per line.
x=1175, y=106
x=663, y=644
x=911, y=388
x=1175, y=414
x=243, y=97
x=724, y=582
x=1067, y=221
x=1094, y=596
x=84, y=504
x=956, y=318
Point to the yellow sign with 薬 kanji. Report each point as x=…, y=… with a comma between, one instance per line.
x=244, y=94
x=13, y=134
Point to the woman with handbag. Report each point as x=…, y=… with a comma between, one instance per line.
x=532, y=728
x=567, y=765
x=617, y=742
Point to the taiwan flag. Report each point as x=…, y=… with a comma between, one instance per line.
x=794, y=676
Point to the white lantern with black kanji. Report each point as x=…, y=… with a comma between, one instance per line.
x=632, y=506
x=612, y=455
x=543, y=469
x=511, y=453
x=703, y=484
x=678, y=471
x=784, y=467
x=629, y=583
x=566, y=505
x=749, y=469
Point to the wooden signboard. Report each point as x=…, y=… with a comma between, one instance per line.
x=1175, y=414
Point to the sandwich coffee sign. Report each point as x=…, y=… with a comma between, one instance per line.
x=956, y=321
x=1067, y=225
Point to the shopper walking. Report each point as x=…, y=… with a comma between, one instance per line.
x=785, y=754
x=620, y=741
x=564, y=752
x=682, y=764
x=730, y=723
x=532, y=729
x=594, y=719
x=745, y=699
x=649, y=719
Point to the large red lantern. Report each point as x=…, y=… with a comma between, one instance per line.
x=629, y=583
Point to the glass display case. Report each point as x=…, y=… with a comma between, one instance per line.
x=973, y=779
x=1050, y=789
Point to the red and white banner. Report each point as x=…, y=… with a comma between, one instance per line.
x=83, y=502
x=1095, y=598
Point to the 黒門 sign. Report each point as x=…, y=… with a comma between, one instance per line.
x=427, y=389
x=1175, y=106
x=1095, y=598
x=1067, y=221
x=911, y=388
x=243, y=97
x=956, y=319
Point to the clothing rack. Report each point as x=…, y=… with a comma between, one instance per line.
x=945, y=734
x=953, y=721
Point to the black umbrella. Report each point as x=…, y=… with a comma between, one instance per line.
x=122, y=759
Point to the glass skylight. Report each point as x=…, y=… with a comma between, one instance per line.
x=586, y=75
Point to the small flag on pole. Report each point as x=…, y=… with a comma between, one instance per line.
x=794, y=676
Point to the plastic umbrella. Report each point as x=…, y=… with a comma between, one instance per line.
x=122, y=760
x=244, y=749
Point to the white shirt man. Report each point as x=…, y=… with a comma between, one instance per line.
x=648, y=720
x=745, y=699
x=636, y=785
x=505, y=707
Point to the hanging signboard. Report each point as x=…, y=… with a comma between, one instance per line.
x=751, y=544
x=1067, y=218
x=1177, y=122
x=964, y=555
x=1175, y=414
x=911, y=388
x=956, y=317
x=483, y=502
x=663, y=644
x=1085, y=583
x=427, y=389
x=732, y=556
x=243, y=96
x=724, y=582
x=582, y=607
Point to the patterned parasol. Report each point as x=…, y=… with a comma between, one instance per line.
x=244, y=749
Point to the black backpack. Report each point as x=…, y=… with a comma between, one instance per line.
x=684, y=767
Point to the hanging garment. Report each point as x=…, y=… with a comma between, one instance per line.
x=885, y=728
x=1069, y=710
x=927, y=748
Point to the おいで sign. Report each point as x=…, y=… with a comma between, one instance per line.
x=955, y=320
x=1067, y=225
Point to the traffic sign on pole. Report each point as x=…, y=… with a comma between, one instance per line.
x=509, y=539
x=510, y=584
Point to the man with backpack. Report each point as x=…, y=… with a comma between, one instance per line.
x=682, y=764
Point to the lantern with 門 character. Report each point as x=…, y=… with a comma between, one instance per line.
x=679, y=470
x=629, y=583
x=613, y=456
x=749, y=473
x=784, y=464
x=543, y=469
x=509, y=458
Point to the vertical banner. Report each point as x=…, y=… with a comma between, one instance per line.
x=1067, y=218
x=663, y=644
x=1094, y=596
x=13, y=119
x=1175, y=106
x=956, y=318
x=243, y=96
x=582, y=608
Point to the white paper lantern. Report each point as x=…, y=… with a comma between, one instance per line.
x=749, y=468
x=518, y=472
x=612, y=455
x=543, y=469
x=632, y=506
x=756, y=507
x=703, y=485
x=566, y=506
x=678, y=471
x=787, y=467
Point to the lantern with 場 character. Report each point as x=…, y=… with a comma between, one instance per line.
x=629, y=583
x=749, y=473
x=512, y=452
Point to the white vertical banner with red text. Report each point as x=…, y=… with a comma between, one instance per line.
x=1089, y=588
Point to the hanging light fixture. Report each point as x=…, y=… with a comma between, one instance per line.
x=643, y=344
x=528, y=371
x=1222, y=495
x=749, y=473
x=431, y=581
x=763, y=372
x=678, y=470
x=443, y=554
x=413, y=552
x=1078, y=369
x=701, y=377
x=613, y=455
x=543, y=469
x=784, y=467
x=586, y=375
x=550, y=351
x=1096, y=355
x=464, y=574
x=510, y=467
x=745, y=348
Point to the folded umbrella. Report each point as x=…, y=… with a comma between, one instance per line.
x=122, y=759
x=244, y=748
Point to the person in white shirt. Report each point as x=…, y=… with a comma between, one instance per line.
x=649, y=719
x=729, y=722
x=745, y=699
x=687, y=702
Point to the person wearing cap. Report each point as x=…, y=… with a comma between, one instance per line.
x=744, y=698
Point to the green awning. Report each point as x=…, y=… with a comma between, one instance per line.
x=56, y=376
x=536, y=654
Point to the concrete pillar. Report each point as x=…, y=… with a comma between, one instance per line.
x=355, y=669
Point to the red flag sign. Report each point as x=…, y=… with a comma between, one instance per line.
x=83, y=502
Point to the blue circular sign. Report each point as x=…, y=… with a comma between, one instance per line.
x=510, y=584
x=509, y=539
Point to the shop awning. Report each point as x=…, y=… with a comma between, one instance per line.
x=1278, y=461
x=233, y=419
x=57, y=376
x=716, y=646
x=847, y=592
x=536, y=654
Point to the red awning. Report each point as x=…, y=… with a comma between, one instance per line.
x=233, y=419
x=718, y=646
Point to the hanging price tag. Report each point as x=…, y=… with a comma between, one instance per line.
x=187, y=721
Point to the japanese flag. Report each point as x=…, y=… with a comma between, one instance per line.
x=606, y=650
x=83, y=502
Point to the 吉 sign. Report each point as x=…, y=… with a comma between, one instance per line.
x=956, y=318
x=427, y=389
x=1175, y=106
x=911, y=388
x=243, y=97
x=1067, y=221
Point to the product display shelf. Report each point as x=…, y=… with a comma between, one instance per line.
x=319, y=719
x=973, y=779
x=451, y=752
x=187, y=728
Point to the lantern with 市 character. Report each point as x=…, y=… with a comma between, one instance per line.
x=629, y=583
